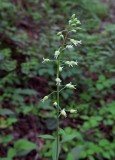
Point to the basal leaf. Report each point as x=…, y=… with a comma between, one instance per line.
x=46, y=136
x=24, y=144
x=68, y=138
x=54, y=150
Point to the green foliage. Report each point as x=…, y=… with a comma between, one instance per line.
x=46, y=136
x=54, y=149
x=27, y=33
x=21, y=148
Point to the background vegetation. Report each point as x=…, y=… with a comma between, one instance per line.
x=27, y=34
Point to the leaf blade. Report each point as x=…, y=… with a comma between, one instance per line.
x=46, y=136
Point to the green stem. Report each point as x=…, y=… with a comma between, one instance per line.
x=58, y=97
x=57, y=140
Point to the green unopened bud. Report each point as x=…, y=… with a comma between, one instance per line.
x=69, y=46
x=59, y=33
x=55, y=104
x=78, y=28
x=70, y=21
x=73, y=24
x=73, y=16
x=78, y=22
x=45, y=98
x=74, y=30
x=73, y=111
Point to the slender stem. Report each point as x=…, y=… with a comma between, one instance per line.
x=58, y=97
x=62, y=89
x=57, y=140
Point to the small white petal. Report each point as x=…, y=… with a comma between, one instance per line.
x=60, y=68
x=63, y=112
x=55, y=104
x=70, y=86
x=58, y=80
x=57, y=53
x=45, y=60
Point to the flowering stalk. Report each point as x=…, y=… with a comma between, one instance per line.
x=72, y=27
x=58, y=91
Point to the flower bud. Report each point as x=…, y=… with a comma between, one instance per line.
x=57, y=53
x=60, y=68
x=58, y=80
x=75, y=42
x=45, y=60
x=69, y=46
x=59, y=33
x=55, y=104
x=74, y=30
x=71, y=63
x=73, y=111
x=73, y=16
x=45, y=98
x=70, y=86
x=63, y=112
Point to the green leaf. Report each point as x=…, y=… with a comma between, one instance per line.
x=70, y=157
x=11, y=153
x=22, y=152
x=68, y=138
x=91, y=158
x=27, y=109
x=61, y=131
x=99, y=86
x=46, y=136
x=103, y=142
x=24, y=144
x=26, y=91
x=6, y=158
x=76, y=152
x=106, y=155
x=51, y=123
x=54, y=150
x=5, y=111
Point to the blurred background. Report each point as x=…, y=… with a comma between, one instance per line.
x=27, y=34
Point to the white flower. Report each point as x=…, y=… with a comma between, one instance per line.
x=70, y=86
x=60, y=68
x=45, y=98
x=55, y=104
x=45, y=60
x=63, y=112
x=71, y=63
x=75, y=42
x=74, y=63
x=68, y=63
x=58, y=80
x=69, y=46
x=73, y=111
x=57, y=53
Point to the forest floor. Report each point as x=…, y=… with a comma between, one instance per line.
x=29, y=126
